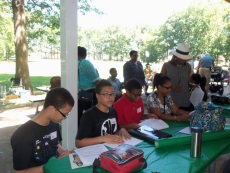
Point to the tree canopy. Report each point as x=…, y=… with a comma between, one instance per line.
x=204, y=27
x=36, y=22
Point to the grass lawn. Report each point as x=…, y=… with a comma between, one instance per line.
x=41, y=72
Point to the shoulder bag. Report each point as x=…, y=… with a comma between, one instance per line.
x=208, y=117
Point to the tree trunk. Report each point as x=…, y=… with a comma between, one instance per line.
x=21, y=48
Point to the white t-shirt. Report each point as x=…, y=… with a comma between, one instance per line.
x=196, y=96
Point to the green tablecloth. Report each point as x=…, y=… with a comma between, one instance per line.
x=173, y=159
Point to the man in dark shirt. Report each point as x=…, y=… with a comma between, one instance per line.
x=134, y=69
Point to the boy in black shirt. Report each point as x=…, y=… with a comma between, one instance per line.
x=36, y=141
x=99, y=123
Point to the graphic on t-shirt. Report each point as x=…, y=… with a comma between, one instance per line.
x=109, y=126
x=46, y=148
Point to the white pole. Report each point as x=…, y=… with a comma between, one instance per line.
x=69, y=67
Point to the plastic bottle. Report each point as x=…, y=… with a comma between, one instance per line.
x=196, y=142
x=20, y=82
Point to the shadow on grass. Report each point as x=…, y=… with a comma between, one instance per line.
x=8, y=105
x=35, y=80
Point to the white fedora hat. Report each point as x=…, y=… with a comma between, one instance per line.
x=182, y=51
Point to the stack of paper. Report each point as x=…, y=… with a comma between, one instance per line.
x=155, y=123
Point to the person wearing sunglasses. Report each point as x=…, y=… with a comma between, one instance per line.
x=130, y=108
x=160, y=101
x=36, y=141
x=99, y=123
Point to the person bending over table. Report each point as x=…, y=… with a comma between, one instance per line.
x=129, y=107
x=36, y=141
x=160, y=102
x=99, y=123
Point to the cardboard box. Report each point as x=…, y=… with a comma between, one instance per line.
x=25, y=94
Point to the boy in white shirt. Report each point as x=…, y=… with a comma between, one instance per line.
x=196, y=94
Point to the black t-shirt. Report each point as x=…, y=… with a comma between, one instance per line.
x=96, y=123
x=33, y=144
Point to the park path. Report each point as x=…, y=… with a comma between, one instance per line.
x=10, y=120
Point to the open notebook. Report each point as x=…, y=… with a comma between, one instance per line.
x=154, y=123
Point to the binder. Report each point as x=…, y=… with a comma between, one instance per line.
x=149, y=134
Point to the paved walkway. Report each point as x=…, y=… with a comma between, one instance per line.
x=10, y=120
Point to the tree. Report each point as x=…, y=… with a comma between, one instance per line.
x=50, y=23
x=6, y=31
x=21, y=51
x=117, y=41
x=201, y=26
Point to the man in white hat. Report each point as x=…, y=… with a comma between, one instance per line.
x=179, y=72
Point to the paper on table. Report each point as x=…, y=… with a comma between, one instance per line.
x=155, y=123
x=133, y=141
x=90, y=153
x=186, y=130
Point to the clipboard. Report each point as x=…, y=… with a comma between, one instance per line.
x=149, y=134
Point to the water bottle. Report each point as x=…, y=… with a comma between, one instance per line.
x=196, y=141
x=20, y=82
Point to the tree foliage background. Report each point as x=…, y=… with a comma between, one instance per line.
x=205, y=27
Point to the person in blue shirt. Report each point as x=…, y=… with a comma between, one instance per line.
x=205, y=65
x=115, y=82
x=87, y=79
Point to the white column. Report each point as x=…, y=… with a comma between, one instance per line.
x=69, y=67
